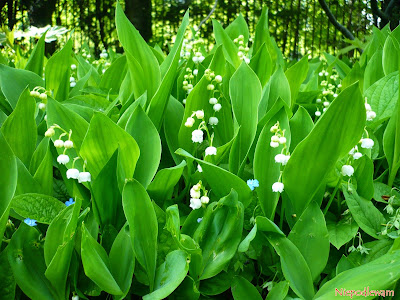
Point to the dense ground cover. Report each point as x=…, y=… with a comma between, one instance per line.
x=229, y=173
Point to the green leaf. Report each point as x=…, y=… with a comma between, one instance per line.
x=142, y=63
x=245, y=94
x=390, y=57
x=122, y=260
x=172, y=124
x=26, y=260
x=138, y=211
x=367, y=216
x=158, y=104
x=7, y=281
x=279, y=88
x=230, y=49
x=219, y=233
x=266, y=170
x=14, y=81
x=279, y=291
x=36, y=59
x=382, y=96
x=332, y=137
x=8, y=181
x=261, y=63
x=310, y=236
x=294, y=266
x=342, y=231
x=378, y=275
x=374, y=70
x=19, y=129
x=296, y=75
x=96, y=264
x=364, y=175
x=301, y=125
x=42, y=208
x=161, y=188
x=101, y=141
x=215, y=176
x=238, y=27
x=106, y=197
x=170, y=274
x=242, y=289
x=143, y=131
x=62, y=241
x=114, y=75
x=57, y=73
x=58, y=114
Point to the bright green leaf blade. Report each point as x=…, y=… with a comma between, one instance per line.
x=36, y=59
x=342, y=231
x=230, y=49
x=138, y=211
x=332, y=137
x=42, y=208
x=243, y=289
x=170, y=274
x=296, y=75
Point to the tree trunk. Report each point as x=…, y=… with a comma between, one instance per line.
x=139, y=13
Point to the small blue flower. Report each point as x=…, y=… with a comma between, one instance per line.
x=30, y=222
x=69, y=202
x=199, y=220
x=253, y=183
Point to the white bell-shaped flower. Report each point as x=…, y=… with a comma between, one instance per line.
x=63, y=159
x=367, y=143
x=72, y=173
x=195, y=203
x=197, y=136
x=347, y=170
x=278, y=187
x=211, y=151
x=84, y=177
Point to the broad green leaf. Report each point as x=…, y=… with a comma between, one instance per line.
x=106, y=197
x=141, y=128
x=172, y=124
x=310, y=236
x=57, y=73
x=44, y=172
x=262, y=36
x=122, y=260
x=364, y=175
x=367, y=216
x=374, y=70
x=332, y=137
x=238, y=27
x=27, y=263
x=14, y=81
x=294, y=266
x=101, y=141
x=142, y=63
x=36, y=59
x=279, y=291
x=138, y=211
x=382, y=96
x=296, y=75
x=96, y=264
x=356, y=74
x=261, y=63
x=162, y=186
x=230, y=49
x=378, y=275
x=219, y=233
x=114, y=75
x=243, y=289
x=300, y=126
x=245, y=94
x=7, y=281
x=221, y=181
x=128, y=109
x=186, y=289
x=279, y=88
x=342, y=231
x=8, y=181
x=266, y=170
x=58, y=268
x=390, y=57
x=158, y=104
x=170, y=274
x=58, y=114
x=217, y=284
x=19, y=129
x=342, y=68
x=42, y=208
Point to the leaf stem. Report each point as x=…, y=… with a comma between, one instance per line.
x=333, y=195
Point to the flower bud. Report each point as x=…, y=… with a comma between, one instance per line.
x=204, y=200
x=200, y=114
x=49, y=132
x=213, y=101
x=42, y=106
x=218, y=78
x=58, y=143
x=189, y=122
x=68, y=144
x=213, y=121
x=217, y=107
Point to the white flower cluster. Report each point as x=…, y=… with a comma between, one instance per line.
x=282, y=158
x=370, y=113
x=104, y=54
x=187, y=84
x=329, y=93
x=243, y=49
x=63, y=158
x=193, y=46
x=196, y=199
x=40, y=93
